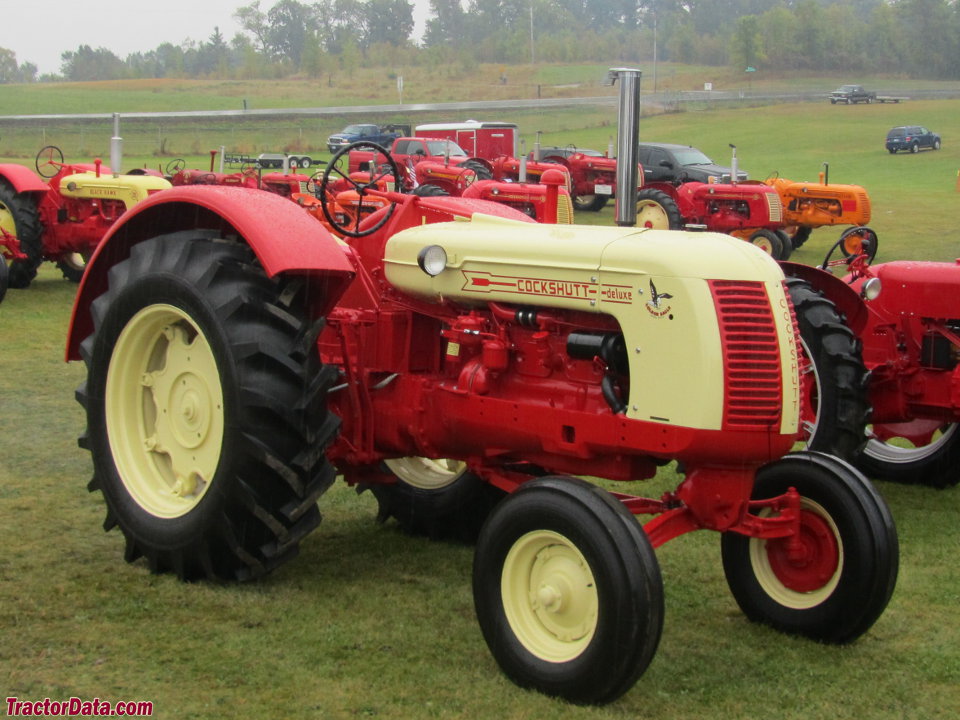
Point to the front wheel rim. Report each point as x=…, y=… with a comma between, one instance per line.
x=804, y=575
x=549, y=596
x=164, y=411
x=889, y=453
x=426, y=473
x=652, y=215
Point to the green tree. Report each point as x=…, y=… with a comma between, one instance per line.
x=747, y=50
x=85, y=63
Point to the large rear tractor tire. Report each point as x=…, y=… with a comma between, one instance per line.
x=4, y=279
x=568, y=591
x=657, y=210
x=439, y=499
x=834, y=579
x=206, y=409
x=834, y=405
x=19, y=217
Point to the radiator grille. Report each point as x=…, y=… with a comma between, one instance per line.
x=774, y=206
x=751, y=355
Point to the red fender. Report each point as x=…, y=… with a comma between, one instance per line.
x=285, y=238
x=848, y=301
x=22, y=179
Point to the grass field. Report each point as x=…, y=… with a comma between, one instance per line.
x=370, y=623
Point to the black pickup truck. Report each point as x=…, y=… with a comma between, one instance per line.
x=851, y=94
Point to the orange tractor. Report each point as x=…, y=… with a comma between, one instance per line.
x=809, y=205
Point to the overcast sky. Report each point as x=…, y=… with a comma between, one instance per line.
x=40, y=31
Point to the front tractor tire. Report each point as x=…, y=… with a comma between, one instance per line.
x=205, y=406
x=657, y=210
x=832, y=580
x=589, y=203
x=568, y=591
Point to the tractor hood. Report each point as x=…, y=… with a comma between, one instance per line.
x=129, y=189
x=563, y=265
x=662, y=287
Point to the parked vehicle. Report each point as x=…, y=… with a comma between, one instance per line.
x=906, y=317
x=912, y=138
x=61, y=212
x=809, y=205
x=593, y=175
x=851, y=95
x=465, y=363
x=365, y=132
x=668, y=162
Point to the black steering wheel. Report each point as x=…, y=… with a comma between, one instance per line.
x=49, y=161
x=364, y=189
x=857, y=244
x=175, y=166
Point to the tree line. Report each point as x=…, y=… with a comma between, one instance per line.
x=916, y=38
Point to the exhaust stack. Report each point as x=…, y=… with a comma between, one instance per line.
x=628, y=136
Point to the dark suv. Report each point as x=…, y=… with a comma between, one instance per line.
x=663, y=162
x=912, y=138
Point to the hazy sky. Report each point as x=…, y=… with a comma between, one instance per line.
x=39, y=31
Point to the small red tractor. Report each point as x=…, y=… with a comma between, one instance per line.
x=467, y=365
x=593, y=175
x=809, y=205
x=750, y=211
x=62, y=214
x=906, y=317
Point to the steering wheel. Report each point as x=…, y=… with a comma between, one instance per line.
x=175, y=166
x=859, y=247
x=49, y=160
x=363, y=189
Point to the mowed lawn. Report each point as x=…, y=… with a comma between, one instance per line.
x=367, y=622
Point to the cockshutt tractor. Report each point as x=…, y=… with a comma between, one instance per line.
x=467, y=365
x=62, y=216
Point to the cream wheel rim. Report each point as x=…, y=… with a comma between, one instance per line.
x=164, y=411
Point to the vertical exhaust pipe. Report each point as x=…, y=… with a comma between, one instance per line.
x=733, y=165
x=116, y=146
x=628, y=137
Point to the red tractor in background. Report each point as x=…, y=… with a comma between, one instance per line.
x=906, y=317
x=593, y=175
x=61, y=215
x=465, y=363
x=750, y=211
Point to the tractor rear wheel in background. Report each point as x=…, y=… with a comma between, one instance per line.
x=429, y=190
x=657, y=210
x=833, y=580
x=589, y=203
x=73, y=265
x=19, y=217
x=439, y=499
x=206, y=409
x=799, y=235
x=482, y=171
x=920, y=452
x=833, y=401
x=568, y=591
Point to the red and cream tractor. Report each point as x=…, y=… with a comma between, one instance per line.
x=61, y=212
x=470, y=366
x=593, y=175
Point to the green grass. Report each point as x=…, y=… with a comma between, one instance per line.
x=367, y=622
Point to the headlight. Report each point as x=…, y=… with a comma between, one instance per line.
x=432, y=260
x=870, y=290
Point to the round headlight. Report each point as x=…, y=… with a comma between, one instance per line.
x=871, y=289
x=432, y=260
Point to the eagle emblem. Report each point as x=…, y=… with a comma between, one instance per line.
x=655, y=304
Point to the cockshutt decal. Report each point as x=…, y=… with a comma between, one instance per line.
x=590, y=292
